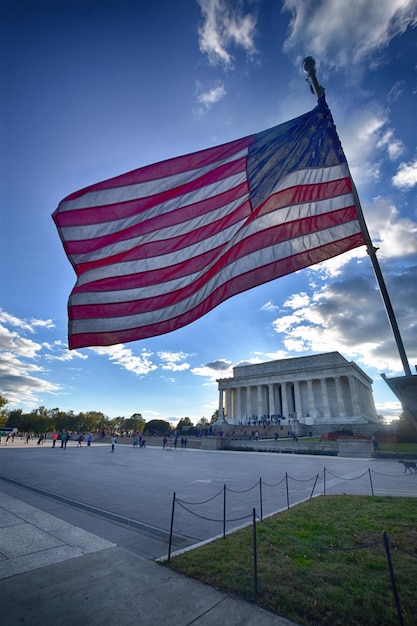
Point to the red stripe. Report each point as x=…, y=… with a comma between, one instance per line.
x=202, y=262
x=170, y=246
x=163, y=169
x=109, y=212
x=301, y=194
x=237, y=285
x=287, y=197
x=151, y=277
x=163, y=220
x=251, y=244
x=153, y=225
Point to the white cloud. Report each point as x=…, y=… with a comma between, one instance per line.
x=269, y=306
x=21, y=373
x=406, y=177
x=343, y=33
x=279, y=354
x=395, y=237
x=58, y=351
x=348, y=316
x=16, y=322
x=224, y=25
x=396, y=91
x=212, y=96
x=394, y=147
x=214, y=370
x=389, y=410
x=366, y=140
x=124, y=357
x=296, y=301
x=42, y=323
x=174, y=361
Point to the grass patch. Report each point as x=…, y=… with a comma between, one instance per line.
x=303, y=574
x=399, y=448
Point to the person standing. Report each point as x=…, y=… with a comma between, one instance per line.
x=113, y=443
x=89, y=439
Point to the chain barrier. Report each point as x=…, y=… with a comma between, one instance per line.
x=341, y=478
x=202, y=501
x=400, y=549
x=211, y=519
x=243, y=490
x=303, y=480
x=274, y=484
x=261, y=484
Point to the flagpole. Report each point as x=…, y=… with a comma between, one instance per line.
x=309, y=67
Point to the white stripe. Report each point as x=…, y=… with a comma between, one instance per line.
x=129, y=295
x=312, y=176
x=125, y=193
x=159, y=262
x=254, y=260
x=224, y=237
x=301, y=177
x=91, y=231
x=164, y=234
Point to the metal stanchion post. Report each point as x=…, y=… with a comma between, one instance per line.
x=172, y=525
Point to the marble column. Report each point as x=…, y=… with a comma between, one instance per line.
x=284, y=399
x=271, y=400
x=297, y=400
x=248, y=403
x=229, y=407
x=355, y=397
x=259, y=401
x=340, y=403
x=238, y=414
x=221, y=412
x=325, y=396
x=311, y=403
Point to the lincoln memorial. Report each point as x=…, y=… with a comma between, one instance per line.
x=316, y=393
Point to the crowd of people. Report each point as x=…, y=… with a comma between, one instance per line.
x=171, y=441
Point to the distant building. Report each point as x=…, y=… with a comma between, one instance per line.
x=316, y=393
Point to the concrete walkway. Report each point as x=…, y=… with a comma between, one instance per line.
x=52, y=572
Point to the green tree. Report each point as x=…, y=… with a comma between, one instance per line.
x=14, y=419
x=3, y=412
x=157, y=427
x=135, y=423
x=31, y=422
x=118, y=424
x=61, y=420
x=92, y=421
x=185, y=425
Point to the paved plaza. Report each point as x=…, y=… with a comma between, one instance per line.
x=80, y=528
x=126, y=497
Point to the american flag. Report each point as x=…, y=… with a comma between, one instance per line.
x=158, y=247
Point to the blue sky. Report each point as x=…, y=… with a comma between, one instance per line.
x=94, y=88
